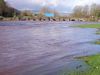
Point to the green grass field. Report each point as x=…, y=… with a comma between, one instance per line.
x=89, y=26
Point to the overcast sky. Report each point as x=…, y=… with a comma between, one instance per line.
x=61, y=5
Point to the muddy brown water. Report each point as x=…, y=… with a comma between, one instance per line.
x=44, y=48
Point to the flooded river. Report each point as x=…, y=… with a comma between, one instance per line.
x=44, y=48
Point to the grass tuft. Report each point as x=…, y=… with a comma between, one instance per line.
x=97, y=42
x=98, y=32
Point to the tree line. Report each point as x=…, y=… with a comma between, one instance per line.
x=87, y=11
x=6, y=10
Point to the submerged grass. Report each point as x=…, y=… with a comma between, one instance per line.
x=97, y=42
x=93, y=62
x=92, y=26
x=98, y=32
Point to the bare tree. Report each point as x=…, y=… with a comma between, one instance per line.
x=85, y=11
x=77, y=11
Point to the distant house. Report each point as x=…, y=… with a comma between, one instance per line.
x=49, y=14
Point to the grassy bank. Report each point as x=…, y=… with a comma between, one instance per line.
x=92, y=26
x=89, y=26
x=93, y=62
